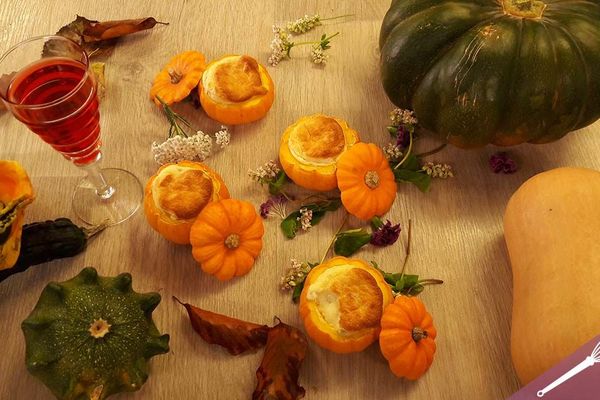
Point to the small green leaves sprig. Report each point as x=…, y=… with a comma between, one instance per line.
x=382, y=234
x=406, y=165
x=282, y=43
x=401, y=283
x=307, y=216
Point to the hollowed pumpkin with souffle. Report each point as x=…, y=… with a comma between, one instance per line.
x=176, y=194
x=310, y=148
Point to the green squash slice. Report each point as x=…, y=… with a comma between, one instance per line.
x=91, y=336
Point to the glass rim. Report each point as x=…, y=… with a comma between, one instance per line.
x=60, y=99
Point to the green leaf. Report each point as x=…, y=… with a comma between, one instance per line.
x=376, y=223
x=420, y=179
x=297, y=292
x=276, y=186
x=290, y=225
x=393, y=131
x=411, y=163
x=349, y=242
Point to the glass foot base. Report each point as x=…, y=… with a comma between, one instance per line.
x=122, y=204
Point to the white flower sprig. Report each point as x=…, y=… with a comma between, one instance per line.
x=281, y=45
x=181, y=146
x=305, y=218
x=441, y=171
x=307, y=23
x=265, y=173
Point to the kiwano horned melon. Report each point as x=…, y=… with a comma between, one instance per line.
x=91, y=336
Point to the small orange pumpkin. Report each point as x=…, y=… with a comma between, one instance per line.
x=236, y=90
x=176, y=194
x=342, y=303
x=16, y=192
x=309, y=150
x=226, y=238
x=366, y=181
x=178, y=78
x=407, y=338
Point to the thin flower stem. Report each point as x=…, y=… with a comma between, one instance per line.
x=432, y=152
x=425, y=282
x=334, y=237
x=410, y=146
x=339, y=16
x=316, y=41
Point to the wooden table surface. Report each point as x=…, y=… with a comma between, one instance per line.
x=457, y=226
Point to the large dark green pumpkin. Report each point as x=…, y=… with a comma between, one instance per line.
x=494, y=71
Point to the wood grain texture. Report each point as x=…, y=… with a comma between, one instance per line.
x=457, y=226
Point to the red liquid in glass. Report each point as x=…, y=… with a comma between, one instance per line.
x=67, y=115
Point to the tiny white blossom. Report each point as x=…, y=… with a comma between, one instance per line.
x=442, y=171
x=304, y=24
x=294, y=275
x=280, y=45
x=392, y=151
x=265, y=173
x=179, y=148
x=318, y=56
x=305, y=219
x=400, y=116
x=222, y=137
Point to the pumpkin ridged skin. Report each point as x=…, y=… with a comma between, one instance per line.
x=551, y=227
x=16, y=192
x=178, y=78
x=358, y=198
x=407, y=357
x=319, y=178
x=475, y=74
x=318, y=329
x=73, y=364
x=178, y=231
x=209, y=235
x=245, y=112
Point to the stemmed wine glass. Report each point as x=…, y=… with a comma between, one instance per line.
x=56, y=97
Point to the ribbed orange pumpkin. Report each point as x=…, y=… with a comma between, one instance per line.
x=236, y=90
x=176, y=194
x=407, y=338
x=226, y=238
x=178, y=78
x=342, y=303
x=366, y=181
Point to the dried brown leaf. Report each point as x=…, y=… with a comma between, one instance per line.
x=235, y=335
x=279, y=370
x=96, y=38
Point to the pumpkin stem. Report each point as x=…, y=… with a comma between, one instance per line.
x=99, y=328
x=372, y=179
x=418, y=334
x=176, y=77
x=524, y=8
x=232, y=241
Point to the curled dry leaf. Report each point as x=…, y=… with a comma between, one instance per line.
x=96, y=38
x=280, y=367
x=235, y=335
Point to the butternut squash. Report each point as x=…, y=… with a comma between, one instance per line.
x=552, y=231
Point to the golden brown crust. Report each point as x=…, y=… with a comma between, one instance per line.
x=184, y=193
x=361, y=300
x=319, y=137
x=238, y=80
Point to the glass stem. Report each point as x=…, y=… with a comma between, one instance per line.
x=97, y=180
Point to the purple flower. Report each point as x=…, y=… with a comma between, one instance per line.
x=402, y=137
x=273, y=205
x=502, y=163
x=385, y=235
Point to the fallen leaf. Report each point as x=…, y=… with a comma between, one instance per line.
x=98, y=70
x=96, y=38
x=235, y=335
x=279, y=370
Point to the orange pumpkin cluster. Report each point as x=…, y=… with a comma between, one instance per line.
x=323, y=153
x=188, y=203
x=346, y=305
x=233, y=89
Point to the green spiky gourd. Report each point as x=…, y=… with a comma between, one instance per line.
x=90, y=337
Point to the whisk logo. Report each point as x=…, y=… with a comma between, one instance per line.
x=574, y=378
